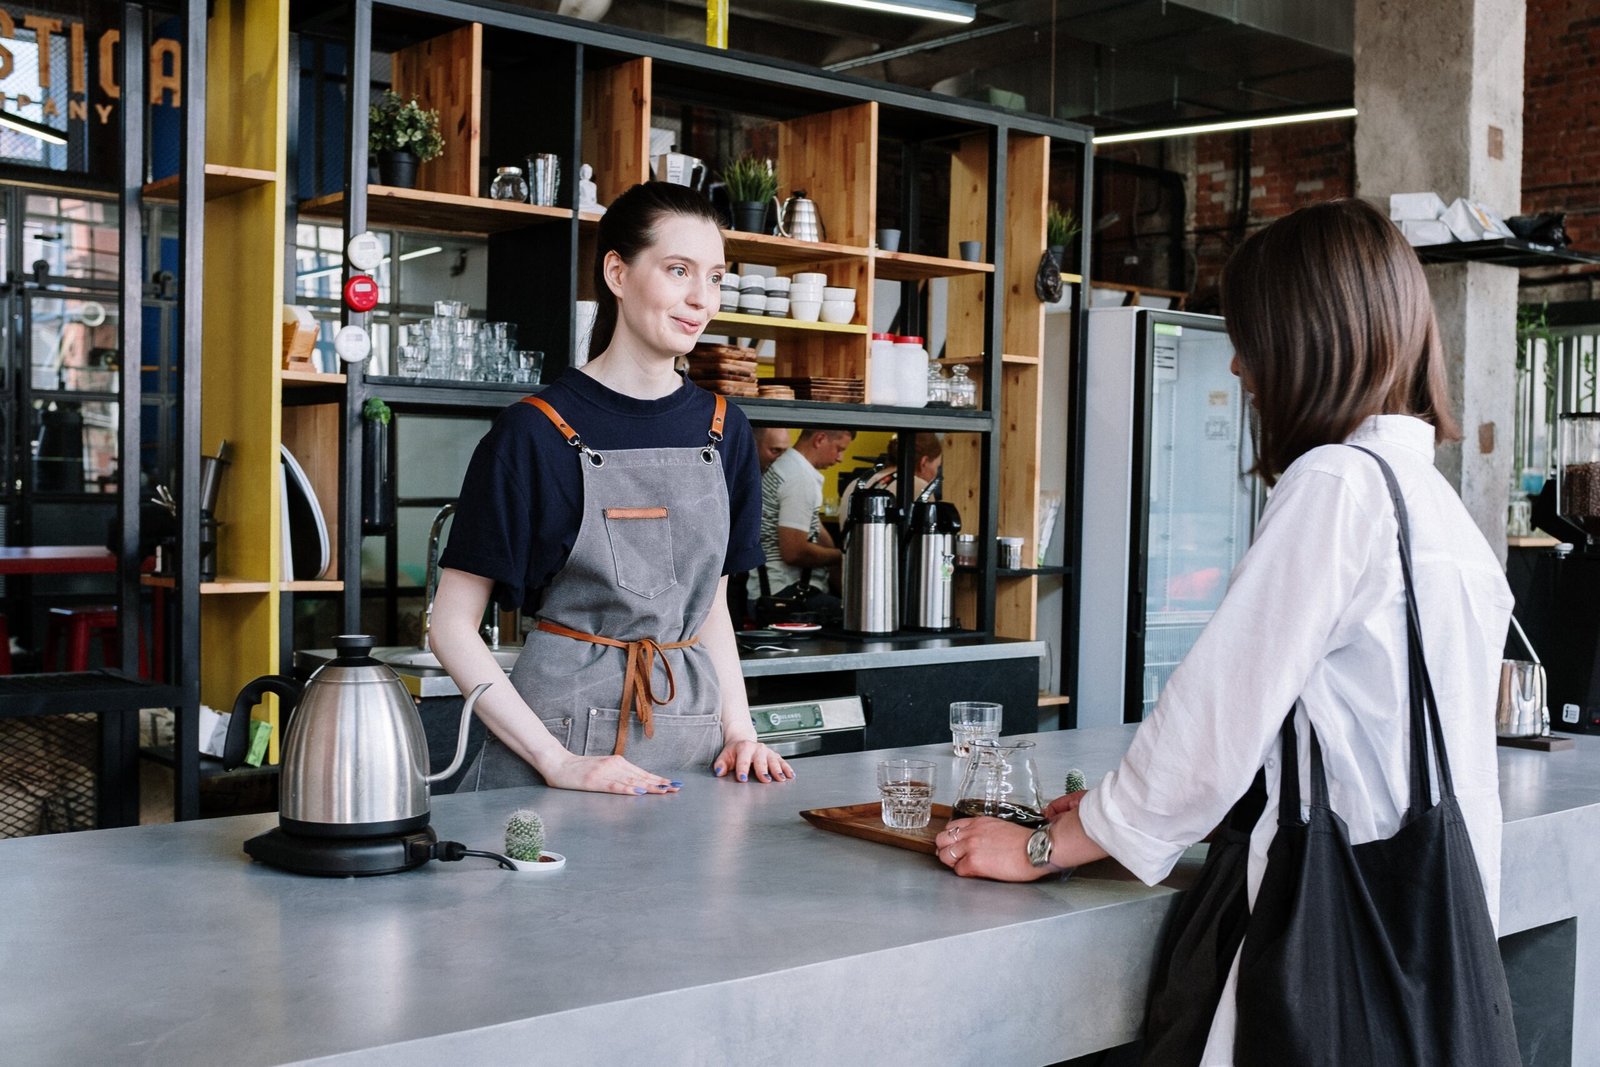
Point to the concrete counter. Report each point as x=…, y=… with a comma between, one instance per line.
x=714, y=926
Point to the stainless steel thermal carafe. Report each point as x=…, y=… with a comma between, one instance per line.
x=871, y=542
x=930, y=564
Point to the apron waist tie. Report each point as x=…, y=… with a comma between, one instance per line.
x=638, y=676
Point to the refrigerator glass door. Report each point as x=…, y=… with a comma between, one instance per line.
x=1200, y=503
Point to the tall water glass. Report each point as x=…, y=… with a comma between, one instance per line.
x=970, y=720
x=906, y=786
x=530, y=365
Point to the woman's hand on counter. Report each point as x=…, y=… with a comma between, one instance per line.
x=989, y=848
x=748, y=759
x=603, y=774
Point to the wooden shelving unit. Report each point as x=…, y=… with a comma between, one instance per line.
x=765, y=326
x=419, y=209
x=911, y=267
x=220, y=181
x=294, y=378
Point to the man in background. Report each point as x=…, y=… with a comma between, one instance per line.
x=771, y=442
x=792, y=535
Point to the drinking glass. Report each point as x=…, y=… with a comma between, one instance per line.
x=907, y=789
x=464, y=336
x=970, y=720
x=412, y=361
x=441, y=347
x=530, y=365
x=449, y=309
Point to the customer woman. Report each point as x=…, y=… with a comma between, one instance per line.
x=612, y=507
x=1336, y=342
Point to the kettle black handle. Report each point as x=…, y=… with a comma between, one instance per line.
x=237, y=743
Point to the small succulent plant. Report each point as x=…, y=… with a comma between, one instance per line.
x=524, y=835
x=1076, y=782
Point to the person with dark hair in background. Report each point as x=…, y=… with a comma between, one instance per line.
x=1336, y=343
x=612, y=507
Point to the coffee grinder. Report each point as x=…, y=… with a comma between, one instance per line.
x=1558, y=590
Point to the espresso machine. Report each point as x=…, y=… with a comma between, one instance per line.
x=1558, y=589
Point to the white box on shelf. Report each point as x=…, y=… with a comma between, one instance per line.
x=1404, y=206
x=1420, y=232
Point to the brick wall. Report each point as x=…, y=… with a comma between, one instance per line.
x=1561, y=115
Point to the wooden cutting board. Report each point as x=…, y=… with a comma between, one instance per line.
x=726, y=388
x=866, y=822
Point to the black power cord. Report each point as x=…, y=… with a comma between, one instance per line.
x=451, y=851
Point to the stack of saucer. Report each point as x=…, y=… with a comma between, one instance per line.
x=726, y=369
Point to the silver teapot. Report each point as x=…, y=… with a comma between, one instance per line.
x=798, y=218
x=355, y=758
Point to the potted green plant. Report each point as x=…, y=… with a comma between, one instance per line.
x=525, y=843
x=402, y=134
x=751, y=185
x=1060, y=228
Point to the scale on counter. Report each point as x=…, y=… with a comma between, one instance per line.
x=796, y=729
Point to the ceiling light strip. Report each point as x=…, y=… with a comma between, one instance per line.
x=12, y=121
x=942, y=10
x=1221, y=127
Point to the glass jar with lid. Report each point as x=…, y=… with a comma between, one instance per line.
x=938, y=386
x=509, y=184
x=963, y=390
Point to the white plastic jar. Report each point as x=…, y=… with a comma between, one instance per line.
x=883, y=370
x=912, y=360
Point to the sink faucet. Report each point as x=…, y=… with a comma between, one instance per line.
x=430, y=580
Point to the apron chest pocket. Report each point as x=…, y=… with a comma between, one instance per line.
x=681, y=742
x=641, y=549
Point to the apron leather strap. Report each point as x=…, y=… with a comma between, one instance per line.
x=638, y=676
x=717, y=418
x=550, y=413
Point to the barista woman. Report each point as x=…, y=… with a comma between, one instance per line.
x=1336, y=342
x=612, y=507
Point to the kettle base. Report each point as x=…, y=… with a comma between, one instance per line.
x=343, y=857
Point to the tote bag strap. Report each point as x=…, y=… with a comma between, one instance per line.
x=1424, y=706
x=1289, y=786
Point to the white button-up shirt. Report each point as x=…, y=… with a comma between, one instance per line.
x=1314, y=618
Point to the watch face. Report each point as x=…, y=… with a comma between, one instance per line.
x=1039, y=847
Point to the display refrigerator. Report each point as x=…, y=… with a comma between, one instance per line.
x=1168, y=505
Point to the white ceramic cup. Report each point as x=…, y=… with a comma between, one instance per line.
x=810, y=278
x=835, y=292
x=805, y=292
x=777, y=306
x=838, y=312
x=777, y=284
x=805, y=310
x=730, y=281
x=748, y=282
x=753, y=303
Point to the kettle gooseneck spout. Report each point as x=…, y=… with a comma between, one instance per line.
x=461, y=735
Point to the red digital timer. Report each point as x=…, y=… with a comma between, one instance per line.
x=361, y=293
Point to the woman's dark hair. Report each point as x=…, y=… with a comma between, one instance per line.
x=1329, y=312
x=629, y=227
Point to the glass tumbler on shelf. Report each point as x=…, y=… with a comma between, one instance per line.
x=464, y=346
x=449, y=309
x=530, y=365
x=970, y=720
x=1002, y=782
x=509, y=184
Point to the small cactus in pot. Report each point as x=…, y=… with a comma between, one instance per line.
x=1075, y=782
x=525, y=835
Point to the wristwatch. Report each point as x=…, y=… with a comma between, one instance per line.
x=1039, y=847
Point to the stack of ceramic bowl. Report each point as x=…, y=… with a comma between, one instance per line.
x=838, y=305
x=777, y=297
x=805, y=296
x=752, y=295
x=730, y=292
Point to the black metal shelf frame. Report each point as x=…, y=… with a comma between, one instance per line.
x=356, y=26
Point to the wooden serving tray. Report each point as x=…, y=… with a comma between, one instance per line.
x=866, y=822
x=1547, y=743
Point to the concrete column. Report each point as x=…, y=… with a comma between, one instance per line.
x=1439, y=89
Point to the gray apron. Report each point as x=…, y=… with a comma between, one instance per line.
x=615, y=665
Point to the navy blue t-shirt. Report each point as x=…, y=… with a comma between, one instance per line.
x=522, y=498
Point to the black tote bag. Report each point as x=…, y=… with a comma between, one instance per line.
x=1382, y=952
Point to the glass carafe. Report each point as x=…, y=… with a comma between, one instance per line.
x=963, y=391
x=1000, y=780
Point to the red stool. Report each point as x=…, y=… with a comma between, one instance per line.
x=79, y=624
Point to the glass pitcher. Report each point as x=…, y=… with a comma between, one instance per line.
x=1000, y=780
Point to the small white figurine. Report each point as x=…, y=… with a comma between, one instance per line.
x=588, y=194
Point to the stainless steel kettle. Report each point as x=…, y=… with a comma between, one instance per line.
x=871, y=543
x=355, y=758
x=799, y=219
